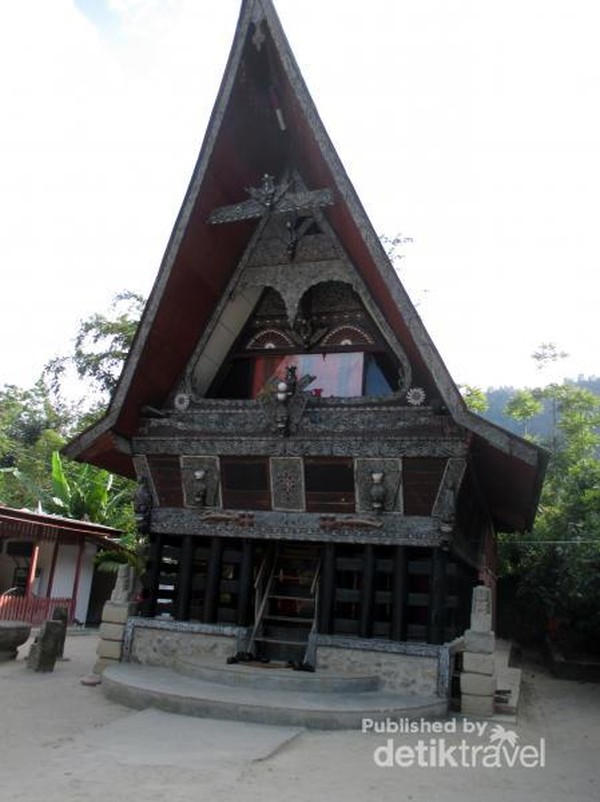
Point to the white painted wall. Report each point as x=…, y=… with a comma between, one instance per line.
x=85, y=582
x=64, y=576
x=64, y=573
x=40, y=586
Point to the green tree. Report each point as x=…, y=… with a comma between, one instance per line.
x=523, y=406
x=100, y=349
x=31, y=428
x=474, y=398
x=82, y=492
x=556, y=567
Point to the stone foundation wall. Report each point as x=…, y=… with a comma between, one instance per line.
x=161, y=644
x=399, y=672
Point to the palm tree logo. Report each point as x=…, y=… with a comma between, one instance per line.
x=502, y=736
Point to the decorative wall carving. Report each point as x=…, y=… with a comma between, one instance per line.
x=391, y=469
x=317, y=446
x=273, y=249
x=142, y=470
x=272, y=198
x=201, y=481
x=284, y=405
x=241, y=519
x=270, y=338
x=287, y=484
x=292, y=282
x=142, y=505
x=391, y=529
x=445, y=503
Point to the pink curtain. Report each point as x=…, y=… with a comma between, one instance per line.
x=339, y=375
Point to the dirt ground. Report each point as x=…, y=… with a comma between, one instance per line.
x=60, y=740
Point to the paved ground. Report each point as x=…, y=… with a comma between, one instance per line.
x=60, y=740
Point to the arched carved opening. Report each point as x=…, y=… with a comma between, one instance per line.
x=333, y=339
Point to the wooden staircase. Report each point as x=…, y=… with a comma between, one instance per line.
x=286, y=594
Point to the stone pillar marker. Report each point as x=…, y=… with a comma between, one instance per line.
x=114, y=617
x=478, y=678
x=61, y=614
x=46, y=647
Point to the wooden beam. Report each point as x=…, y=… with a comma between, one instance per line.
x=52, y=569
x=76, y=579
x=400, y=595
x=32, y=569
x=327, y=589
x=245, y=584
x=367, y=595
x=213, y=581
x=185, y=578
x=437, y=596
x=152, y=575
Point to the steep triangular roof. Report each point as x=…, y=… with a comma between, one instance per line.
x=264, y=121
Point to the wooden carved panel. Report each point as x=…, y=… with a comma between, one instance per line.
x=287, y=484
x=392, y=478
x=201, y=485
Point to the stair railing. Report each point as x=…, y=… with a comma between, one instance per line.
x=310, y=653
x=264, y=597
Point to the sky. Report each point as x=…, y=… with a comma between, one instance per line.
x=470, y=126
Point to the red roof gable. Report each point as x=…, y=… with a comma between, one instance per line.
x=264, y=121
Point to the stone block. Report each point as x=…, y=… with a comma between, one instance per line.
x=111, y=631
x=103, y=663
x=477, y=684
x=482, y=706
x=117, y=612
x=109, y=648
x=479, y=642
x=478, y=663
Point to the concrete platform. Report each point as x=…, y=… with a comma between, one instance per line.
x=310, y=704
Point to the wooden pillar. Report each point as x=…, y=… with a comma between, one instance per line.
x=213, y=581
x=437, y=596
x=367, y=595
x=52, y=569
x=35, y=554
x=76, y=579
x=152, y=577
x=327, y=589
x=245, y=584
x=185, y=579
x=400, y=595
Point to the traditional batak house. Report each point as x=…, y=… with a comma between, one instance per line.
x=313, y=487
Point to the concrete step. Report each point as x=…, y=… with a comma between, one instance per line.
x=141, y=686
x=284, y=640
x=270, y=677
